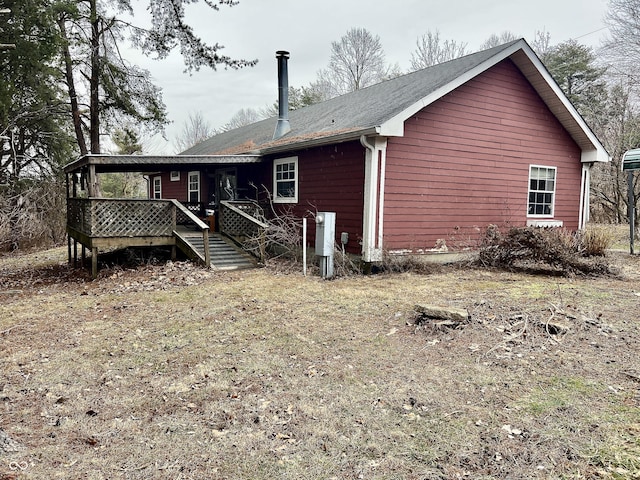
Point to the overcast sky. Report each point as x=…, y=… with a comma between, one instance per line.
x=256, y=29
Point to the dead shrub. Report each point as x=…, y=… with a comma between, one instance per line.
x=408, y=263
x=344, y=264
x=33, y=217
x=597, y=239
x=533, y=249
x=281, y=238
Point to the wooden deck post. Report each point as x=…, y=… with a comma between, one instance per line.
x=94, y=262
x=207, y=254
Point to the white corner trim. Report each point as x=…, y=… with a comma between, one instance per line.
x=372, y=218
x=585, y=189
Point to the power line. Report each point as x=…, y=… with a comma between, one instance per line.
x=591, y=33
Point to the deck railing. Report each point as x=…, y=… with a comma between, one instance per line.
x=129, y=222
x=105, y=217
x=241, y=220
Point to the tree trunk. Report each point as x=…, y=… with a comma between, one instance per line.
x=73, y=96
x=94, y=129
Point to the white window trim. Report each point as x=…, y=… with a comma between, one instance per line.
x=153, y=187
x=189, y=186
x=555, y=189
x=174, y=175
x=281, y=161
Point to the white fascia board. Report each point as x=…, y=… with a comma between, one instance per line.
x=594, y=156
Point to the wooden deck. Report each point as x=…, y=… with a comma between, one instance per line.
x=100, y=224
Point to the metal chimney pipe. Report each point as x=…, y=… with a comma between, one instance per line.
x=282, y=127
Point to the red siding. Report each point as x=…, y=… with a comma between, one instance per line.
x=330, y=179
x=176, y=189
x=464, y=163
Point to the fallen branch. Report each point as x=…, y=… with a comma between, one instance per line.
x=5, y=332
x=511, y=337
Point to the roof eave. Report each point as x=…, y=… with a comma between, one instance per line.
x=150, y=162
x=321, y=141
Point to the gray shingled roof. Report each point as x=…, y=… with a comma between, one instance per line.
x=347, y=116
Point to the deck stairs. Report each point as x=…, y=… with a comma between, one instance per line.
x=225, y=255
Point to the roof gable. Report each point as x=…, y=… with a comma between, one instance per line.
x=382, y=109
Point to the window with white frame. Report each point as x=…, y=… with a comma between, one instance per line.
x=174, y=176
x=542, y=191
x=285, y=180
x=194, y=187
x=157, y=187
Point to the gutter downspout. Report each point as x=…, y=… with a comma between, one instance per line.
x=372, y=219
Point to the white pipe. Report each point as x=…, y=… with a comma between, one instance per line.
x=370, y=191
x=304, y=246
x=383, y=168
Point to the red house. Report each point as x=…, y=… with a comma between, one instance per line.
x=413, y=163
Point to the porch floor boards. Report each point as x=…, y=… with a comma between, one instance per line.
x=225, y=255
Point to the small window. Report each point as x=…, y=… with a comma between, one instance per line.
x=157, y=187
x=285, y=180
x=194, y=187
x=175, y=176
x=542, y=191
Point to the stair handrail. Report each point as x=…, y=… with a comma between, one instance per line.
x=198, y=223
x=251, y=218
x=261, y=229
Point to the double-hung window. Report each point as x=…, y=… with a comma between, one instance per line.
x=285, y=180
x=542, y=191
x=194, y=187
x=157, y=187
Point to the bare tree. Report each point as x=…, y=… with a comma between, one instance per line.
x=623, y=44
x=194, y=130
x=357, y=61
x=244, y=116
x=541, y=44
x=619, y=129
x=494, y=40
x=432, y=50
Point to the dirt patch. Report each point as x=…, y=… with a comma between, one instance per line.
x=172, y=371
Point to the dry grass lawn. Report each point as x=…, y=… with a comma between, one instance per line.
x=173, y=372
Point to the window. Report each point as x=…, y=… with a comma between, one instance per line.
x=194, y=187
x=285, y=180
x=174, y=176
x=157, y=187
x=542, y=189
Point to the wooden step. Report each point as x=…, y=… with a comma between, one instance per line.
x=225, y=255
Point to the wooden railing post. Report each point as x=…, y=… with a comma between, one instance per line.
x=207, y=253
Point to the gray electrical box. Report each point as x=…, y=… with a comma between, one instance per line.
x=325, y=241
x=325, y=233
